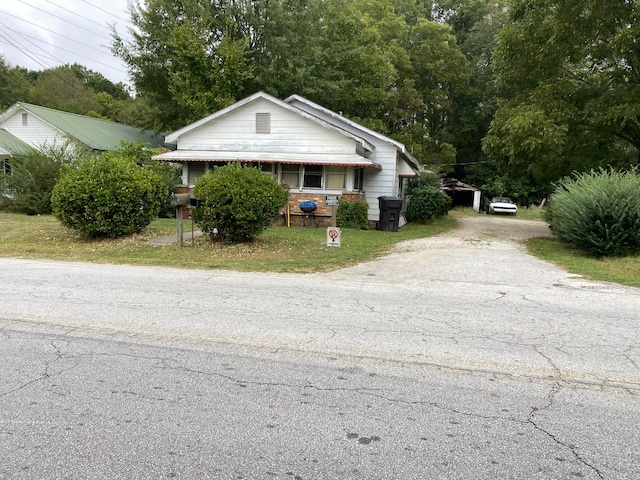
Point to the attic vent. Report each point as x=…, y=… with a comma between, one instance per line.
x=25, y=120
x=263, y=123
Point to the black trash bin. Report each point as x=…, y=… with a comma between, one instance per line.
x=389, y=213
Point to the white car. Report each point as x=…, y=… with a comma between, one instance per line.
x=502, y=205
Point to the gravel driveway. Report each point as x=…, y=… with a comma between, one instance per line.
x=482, y=249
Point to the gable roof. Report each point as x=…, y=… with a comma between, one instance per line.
x=10, y=144
x=95, y=133
x=173, y=137
x=340, y=119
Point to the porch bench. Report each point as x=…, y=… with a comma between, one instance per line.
x=303, y=215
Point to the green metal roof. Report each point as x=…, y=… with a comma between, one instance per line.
x=10, y=145
x=95, y=133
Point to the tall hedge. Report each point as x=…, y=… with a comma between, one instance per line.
x=353, y=214
x=109, y=196
x=598, y=212
x=238, y=202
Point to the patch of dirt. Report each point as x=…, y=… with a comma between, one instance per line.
x=481, y=229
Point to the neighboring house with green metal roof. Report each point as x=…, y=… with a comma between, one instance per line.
x=9, y=146
x=40, y=126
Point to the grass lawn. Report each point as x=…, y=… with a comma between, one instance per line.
x=623, y=270
x=278, y=249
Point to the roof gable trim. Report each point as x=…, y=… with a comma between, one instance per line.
x=173, y=137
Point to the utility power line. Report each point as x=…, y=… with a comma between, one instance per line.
x=108, y=13
x=64, y=20
x=30, y=45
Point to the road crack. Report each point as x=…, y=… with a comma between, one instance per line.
x=572, y=448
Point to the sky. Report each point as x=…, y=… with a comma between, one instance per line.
x=43, y=34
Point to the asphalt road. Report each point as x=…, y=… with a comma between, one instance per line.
x=454, y=357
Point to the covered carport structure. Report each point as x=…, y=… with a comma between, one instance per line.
x=462, y=194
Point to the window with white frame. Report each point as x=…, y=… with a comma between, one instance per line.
x=196, y=170
x=266, y=168
x=290, y=175
x=358, y=179
x=5, y=167
x=336, y=177
x=313, y=176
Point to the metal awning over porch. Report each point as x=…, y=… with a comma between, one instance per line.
x=405, y=170
x=339, y=160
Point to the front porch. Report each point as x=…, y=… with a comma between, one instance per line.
x=292, y=215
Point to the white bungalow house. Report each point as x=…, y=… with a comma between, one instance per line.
x=24, y=125
x=316, y=153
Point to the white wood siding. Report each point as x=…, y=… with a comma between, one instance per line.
x=290, y=133
x=36, y=133
x=377, y=183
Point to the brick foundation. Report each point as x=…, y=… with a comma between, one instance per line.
x=297, y=217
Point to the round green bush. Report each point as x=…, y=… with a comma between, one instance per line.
x=354, y=214
x=108, y=196
x=427, y=202
x=598, y=212
x=238, y=202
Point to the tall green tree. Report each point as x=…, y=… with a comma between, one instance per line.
x=571, y=74
x=99, y=83
x=61, y=89
x=436, y=73
x=384, y=63
x=14, y=85
x=333, y=52
x=475, y=24
x=187, y=58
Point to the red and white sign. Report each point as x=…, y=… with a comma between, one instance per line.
x=333, y=237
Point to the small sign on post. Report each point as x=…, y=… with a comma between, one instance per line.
x=333, y=237
x=332, y=201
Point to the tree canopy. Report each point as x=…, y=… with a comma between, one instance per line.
x=70, y=88
x=570, y=73
x=508, y=94
x=385, y=63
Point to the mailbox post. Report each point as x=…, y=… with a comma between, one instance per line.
x=194, y=203
x=178, y=200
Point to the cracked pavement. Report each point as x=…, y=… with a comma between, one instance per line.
x=458, y=356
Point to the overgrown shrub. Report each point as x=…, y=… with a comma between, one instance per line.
x=426, y=178
x=169, y=172
x=238, y=202
x=598, y=212
x=354, y=214
x=426, y=203
x=34, y=173
x=109, y=196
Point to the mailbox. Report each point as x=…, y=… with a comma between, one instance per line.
x=195, y=202
x=179, y=199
